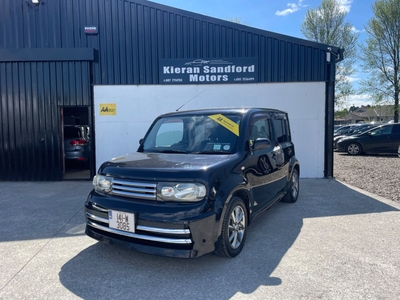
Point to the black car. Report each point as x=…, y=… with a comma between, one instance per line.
x=343, y=129
x=198, y=179
x=354, y=131
x=381, y=139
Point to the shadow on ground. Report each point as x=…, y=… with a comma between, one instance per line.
x=104, y=271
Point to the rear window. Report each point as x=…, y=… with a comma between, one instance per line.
x=72, y=132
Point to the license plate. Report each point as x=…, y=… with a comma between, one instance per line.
x=121, y=220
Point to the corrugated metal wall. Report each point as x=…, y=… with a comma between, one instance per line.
x=30, y=133
x=132, y=37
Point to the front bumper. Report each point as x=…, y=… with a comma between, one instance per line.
x=167, y=230
x=340, y=147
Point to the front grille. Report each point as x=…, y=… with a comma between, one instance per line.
x=134, y=189
x=161, y=234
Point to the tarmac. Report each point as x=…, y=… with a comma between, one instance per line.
x=335, y=242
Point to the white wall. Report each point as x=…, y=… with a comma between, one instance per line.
x=138, y=106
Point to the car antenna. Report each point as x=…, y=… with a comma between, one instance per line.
x=190, y=100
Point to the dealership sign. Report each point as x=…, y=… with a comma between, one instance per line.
x=197, y=71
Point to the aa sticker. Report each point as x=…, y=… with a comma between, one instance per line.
x=109, y=109
x=226, y=122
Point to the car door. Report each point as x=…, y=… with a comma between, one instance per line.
x=284, y=140
x=262, y=163
x=395, y=138
x=378, y=140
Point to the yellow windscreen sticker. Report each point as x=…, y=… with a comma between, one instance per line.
x=226, y=122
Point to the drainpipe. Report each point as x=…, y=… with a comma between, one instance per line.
x=331, y=58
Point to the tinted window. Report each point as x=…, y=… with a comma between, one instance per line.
x=382, y=130
x=282, y=130
x=72, y=132
x=396, y=128
x=261, y=129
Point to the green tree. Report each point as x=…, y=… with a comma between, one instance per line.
x=326, y=24
x=236, y=20
x=341, y=113
x=381, y=54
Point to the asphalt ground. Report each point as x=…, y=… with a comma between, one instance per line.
x=336, y=242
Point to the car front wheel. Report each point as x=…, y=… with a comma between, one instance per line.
x=234, y=229
x=353, y=149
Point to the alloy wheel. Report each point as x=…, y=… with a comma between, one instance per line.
x=353, y=149
x=295, y=184
x=237, y=227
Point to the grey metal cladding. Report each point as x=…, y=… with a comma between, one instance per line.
x=133, y=35
x=30, y=132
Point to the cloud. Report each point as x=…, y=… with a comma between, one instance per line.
x=356, y=30
x=293, y=7
x=353, y=79
x=345, y=5
x=359, y=100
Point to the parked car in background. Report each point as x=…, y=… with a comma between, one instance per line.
x=345, y=129
x=76, y=143
x=354, y=131
x=381, y=139
x=336, y=127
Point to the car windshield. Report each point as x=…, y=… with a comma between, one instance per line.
x=201, y=134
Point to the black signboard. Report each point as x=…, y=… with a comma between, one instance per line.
x=206, y=71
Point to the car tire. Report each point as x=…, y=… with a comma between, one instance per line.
x=354, y=149
x=294, y=186
x=234, y=229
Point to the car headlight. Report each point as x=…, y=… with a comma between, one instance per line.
x=182, y=192
x=102, y=183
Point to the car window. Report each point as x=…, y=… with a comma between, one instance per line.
x=343, y=129
x=282, y=131
x=200, y=133
x=71, y=132
x=261, y=129
x=382, y=130
x=396, y=129
x=170, y=132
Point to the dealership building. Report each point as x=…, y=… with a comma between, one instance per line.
x=115, y=65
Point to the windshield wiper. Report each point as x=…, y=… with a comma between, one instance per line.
x=172, y=151
x=212, y=152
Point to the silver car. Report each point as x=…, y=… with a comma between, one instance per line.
x=76, y=143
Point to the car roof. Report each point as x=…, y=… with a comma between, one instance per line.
x=380, y=126
x=224, y=110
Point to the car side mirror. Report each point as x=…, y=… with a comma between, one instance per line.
x=141, y=142
x=261, y=143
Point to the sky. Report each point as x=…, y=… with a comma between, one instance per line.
x=284, y=17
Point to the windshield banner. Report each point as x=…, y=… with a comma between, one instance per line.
x=226, y=122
